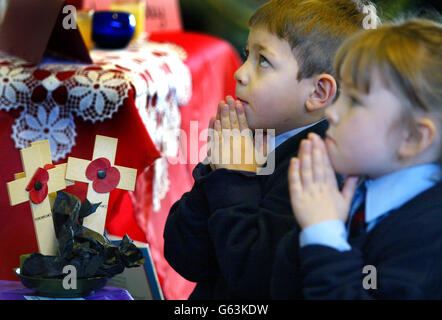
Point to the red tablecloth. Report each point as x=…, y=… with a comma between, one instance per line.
x=212, y=63
x=16, y=227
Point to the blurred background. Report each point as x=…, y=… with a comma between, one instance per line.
x=228, y=18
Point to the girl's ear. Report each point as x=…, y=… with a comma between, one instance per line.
x=325, y=88
x=419, y=140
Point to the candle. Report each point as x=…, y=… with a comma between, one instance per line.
x=138, y=9
x=84, y=23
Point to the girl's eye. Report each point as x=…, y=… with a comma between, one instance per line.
x=263, y=62
x=354, y=101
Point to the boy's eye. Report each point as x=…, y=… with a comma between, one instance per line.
x=263, y=62
x=245, y=54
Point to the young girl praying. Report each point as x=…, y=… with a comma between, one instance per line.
x=380, y=235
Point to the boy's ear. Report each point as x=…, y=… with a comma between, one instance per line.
x=418, y=141
x=325, y=88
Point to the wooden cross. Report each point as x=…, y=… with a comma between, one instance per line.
x=105, y=147
x=37, y=156
x=45, y=153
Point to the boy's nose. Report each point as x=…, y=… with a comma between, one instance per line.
x=241, y=75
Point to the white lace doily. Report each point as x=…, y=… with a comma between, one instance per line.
x=52, y=94
x=45, y=121
x=162, y=83
x=14, y=91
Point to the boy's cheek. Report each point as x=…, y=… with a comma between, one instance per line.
x=250, y=116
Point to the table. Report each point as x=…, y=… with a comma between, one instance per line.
x=140, y=214
x=14, y=290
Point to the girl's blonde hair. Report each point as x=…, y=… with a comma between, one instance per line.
x=407, y=56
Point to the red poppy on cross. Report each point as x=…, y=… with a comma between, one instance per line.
x=40, y=178
x=102, y=176
x=38, y=186
x=105, y=177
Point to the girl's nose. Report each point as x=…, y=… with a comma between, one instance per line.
x=332, y=114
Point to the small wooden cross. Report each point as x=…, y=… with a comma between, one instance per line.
x=45, y=153
x=79, y=170
x=34, y=159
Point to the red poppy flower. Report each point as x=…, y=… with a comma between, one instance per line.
x=38, y=186
x=105, y=177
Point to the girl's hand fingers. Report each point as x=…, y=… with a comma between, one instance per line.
x=295, y=185
x=317, y=165
x=349, y=188
x=306, y=163
x=329, y=173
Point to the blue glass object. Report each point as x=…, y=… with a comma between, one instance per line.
x=111, y=29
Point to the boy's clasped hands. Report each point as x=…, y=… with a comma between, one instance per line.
x=231, y=143
x=314, y=191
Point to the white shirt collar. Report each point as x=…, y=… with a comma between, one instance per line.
x=279, y=139
x=391, y=191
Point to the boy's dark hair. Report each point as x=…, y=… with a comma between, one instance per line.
x=314, y=28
